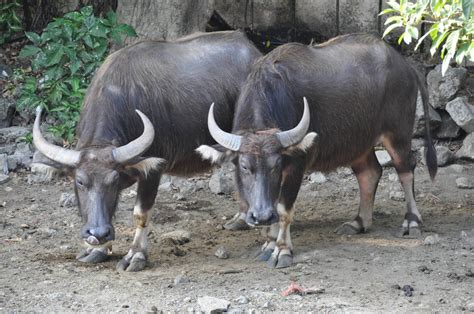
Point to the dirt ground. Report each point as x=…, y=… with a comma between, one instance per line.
x=39, y=241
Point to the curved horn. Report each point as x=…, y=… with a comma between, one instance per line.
x=56, y=153
x=138, y=146
x=228, y=140
x=295, y=135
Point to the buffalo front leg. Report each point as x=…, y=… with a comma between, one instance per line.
x=368, y=172
x=282, y=255
x=238, y=221
x=137, y=256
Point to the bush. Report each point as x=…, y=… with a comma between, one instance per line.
x=450, y=26
x=10, y=22
x=64, y=59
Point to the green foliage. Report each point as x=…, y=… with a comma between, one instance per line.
x=450, y=26
x=64, y=59
x=10, y=22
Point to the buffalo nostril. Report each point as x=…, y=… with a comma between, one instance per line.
x=101, y=232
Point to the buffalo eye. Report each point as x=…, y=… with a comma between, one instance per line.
x=245, y=168
x=80, y=183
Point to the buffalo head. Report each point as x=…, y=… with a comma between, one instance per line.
x=262, y=159
x=100, y=173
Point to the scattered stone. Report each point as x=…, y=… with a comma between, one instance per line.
x=462, y=113
x=444, y=155
x=242, y=300
x=431, y=239
x=212, y=305
x=4, y=178
x=464, y=183
x=125, y=306
x=317, y=177
x=24, y=226
x=408, y=290
x=266, y=305
x=448, y=128
x=384, y=158
x=13, y=134
x=424, y=269
x=396, y=287
x=467, y=149
x=181, y=279
x=454, y=276
x=221, y=182
x=3, y=164
x=178, y=236
x=443, y=88
x=455, y=168
x=179, y=197
x=470, y=306
x=48, y=231
x=419, y=126
x=221, y=253
x=67, y=200
x=398, y=196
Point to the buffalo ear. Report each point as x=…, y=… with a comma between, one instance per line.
x=49, y=168
x=303, y=145
x=144, y=166
x=216, y=154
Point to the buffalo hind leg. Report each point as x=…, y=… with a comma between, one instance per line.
x=405, y=163
x=137, y=256
x=368, y=172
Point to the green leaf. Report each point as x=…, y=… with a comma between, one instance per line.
x=29, y=51
x=127, y=30
x=467, y=8
x=99, y=31
x=413, y=31
x=461, y=53
x=116, y=37
x=393, y=19
x=112, y=17
x=445, y=65
x=432, y=29
x=87, y=11
x=390, y=28
x=452, y=43
x=55, y=57
x=33, y=37
x=407, y=38
x=439, y=39
x=74, y=66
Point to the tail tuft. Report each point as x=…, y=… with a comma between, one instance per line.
x=431, y=159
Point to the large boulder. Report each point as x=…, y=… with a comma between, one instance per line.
x=448, y=128
x=467, y=149
x=462, y=113
x=444, y=88
x=419, y=126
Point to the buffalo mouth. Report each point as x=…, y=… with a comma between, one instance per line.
x=94, y=243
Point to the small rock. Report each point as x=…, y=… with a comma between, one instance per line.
x=4, y=178
x=470, y=306
x=125, y=306
x=221, y=253
x=467, y=149
x=212, y=305
x=178, y=236
x=397, y=196
x=154, y=309
x=242, y=300
x=221, y=182
x=181, y=279
x=396, y=287
x=424, y=269
x=11, y=134
x=24, y=226
x=464, y=183
x=462, y=113
x=408, y=290
x=67, y=200
x=317, y=177
x=179, y=197
x=431, y=239
x=384, y=158
x=266, y=305
x=455, y=168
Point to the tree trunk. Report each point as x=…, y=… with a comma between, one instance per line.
x=165, y=19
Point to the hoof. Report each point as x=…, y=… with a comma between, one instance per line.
x=280, y=258
x=348, y=228
x=284, y=261
x=93, y=256
x=236, y=224
x=264, y=255
x=410, y=232
x=132, y=262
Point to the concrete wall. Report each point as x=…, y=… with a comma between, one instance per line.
x=325, y=17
